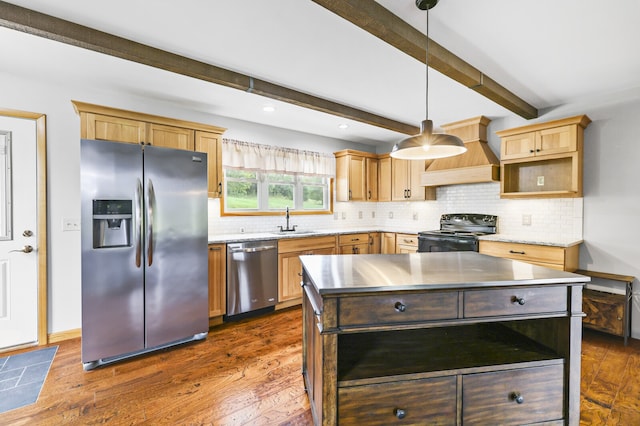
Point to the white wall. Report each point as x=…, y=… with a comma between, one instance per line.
x=611, y=154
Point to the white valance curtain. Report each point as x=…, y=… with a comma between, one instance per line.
x=253, y=156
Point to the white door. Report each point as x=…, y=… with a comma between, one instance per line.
x=18, y=228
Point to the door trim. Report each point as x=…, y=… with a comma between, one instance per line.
x=41, y=170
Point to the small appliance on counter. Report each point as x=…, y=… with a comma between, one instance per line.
x=144, y=249
x=458, y=232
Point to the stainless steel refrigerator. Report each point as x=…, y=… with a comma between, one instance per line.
x=144, y=249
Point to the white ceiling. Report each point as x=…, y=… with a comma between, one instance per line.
x=548, y=52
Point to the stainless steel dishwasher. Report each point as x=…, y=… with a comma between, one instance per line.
x=252, y=277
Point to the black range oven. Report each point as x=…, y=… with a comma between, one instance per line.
x=458, y=232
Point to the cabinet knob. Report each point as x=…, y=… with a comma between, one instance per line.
x=531, y=151
x=400, y=307
x=517, y=397
x=519, y=300
x=399, y=413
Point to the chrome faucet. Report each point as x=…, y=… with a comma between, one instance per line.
x=287, y=229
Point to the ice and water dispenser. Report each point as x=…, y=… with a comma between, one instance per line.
x=112, y=223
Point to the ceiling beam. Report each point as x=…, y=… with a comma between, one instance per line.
x=380, y=22
x=42, y=25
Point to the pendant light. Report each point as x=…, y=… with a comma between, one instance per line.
x=428, y=145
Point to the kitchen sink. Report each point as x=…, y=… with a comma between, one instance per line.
x=296, y=232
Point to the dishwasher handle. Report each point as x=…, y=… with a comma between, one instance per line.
x=251, y=249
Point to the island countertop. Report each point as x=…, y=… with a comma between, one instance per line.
x=424, y=271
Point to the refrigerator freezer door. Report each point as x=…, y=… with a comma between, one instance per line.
x=112, y=284
x=176, y=256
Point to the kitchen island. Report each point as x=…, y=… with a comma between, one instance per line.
x=440, y=338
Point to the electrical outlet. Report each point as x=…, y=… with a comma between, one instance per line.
x=526, y=219
x=360, y=214
x=242, y=230
x=373, y=215
x=344, y=215
x=70, y=224
x=540, y=180
x=335, y=215
x=415, y=216
x=390, y=215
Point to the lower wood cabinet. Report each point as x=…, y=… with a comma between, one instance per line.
x=289, y=266
x=217, y=280
x=555, y=257
x=406, y=243
x=388, y=243
x=354, y=243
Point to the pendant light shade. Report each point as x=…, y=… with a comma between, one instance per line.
x=428, y=145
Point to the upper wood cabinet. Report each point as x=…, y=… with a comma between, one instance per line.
x=384, y=177
x=356, y=176
x=211, y=143
x=111, y=124
x=543, y=160
x=171, y=137
x=406, y=183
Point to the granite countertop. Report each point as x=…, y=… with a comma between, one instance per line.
x=555, y=242
x=425, y=271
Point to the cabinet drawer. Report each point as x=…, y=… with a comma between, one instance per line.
x=303, y=244
x=514, y=301
x=493, y=398
x=414, y=402
x=532, y=253
x=349, y=239
x=398, y=308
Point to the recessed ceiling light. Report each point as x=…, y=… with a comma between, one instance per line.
x=343, y=126
x=268, y=108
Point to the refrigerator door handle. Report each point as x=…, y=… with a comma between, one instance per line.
x=151, y=205
x=138, y=227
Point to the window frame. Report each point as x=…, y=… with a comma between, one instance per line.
x=263, y=195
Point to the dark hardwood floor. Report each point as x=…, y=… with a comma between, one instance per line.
x=249, y=373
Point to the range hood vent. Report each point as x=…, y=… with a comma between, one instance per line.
x=478, y=164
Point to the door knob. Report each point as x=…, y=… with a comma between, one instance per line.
x=25, y=249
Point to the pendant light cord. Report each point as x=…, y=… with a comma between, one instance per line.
x=426, y=65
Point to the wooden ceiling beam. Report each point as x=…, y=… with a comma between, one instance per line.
x=42, y=25
x=380, y=22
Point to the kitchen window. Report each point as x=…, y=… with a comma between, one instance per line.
x=266, y=179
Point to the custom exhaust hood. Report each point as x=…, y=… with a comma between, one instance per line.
x=479, y=164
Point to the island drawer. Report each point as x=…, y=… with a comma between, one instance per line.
x=527, y=395
x=397, y=308
x=404, y=402
x=514, y=301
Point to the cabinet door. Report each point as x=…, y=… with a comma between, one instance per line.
x=399, y=176
x=388, y=243
x=556, y=140
x=171, y=137
x=372, y=178
x=107, y=128
x=374, y=243
x=518, y=146
x=357, y=178
x=217, y=279
x=417, y=192
x=384, y=181
x=406, y=243
x=289, y=276
x=211, y=143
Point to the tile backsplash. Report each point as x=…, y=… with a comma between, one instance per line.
x=537, y=219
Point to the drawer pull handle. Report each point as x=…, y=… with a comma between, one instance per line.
x=516, y=252
x=400, y=307
x=519, y=300
x=399, y=413
x=517, y=397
